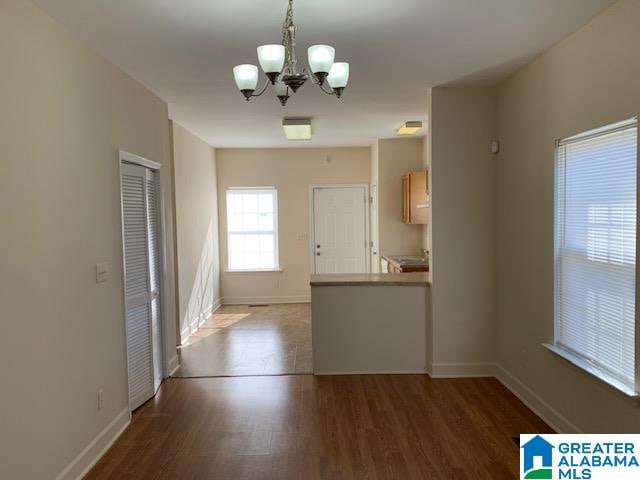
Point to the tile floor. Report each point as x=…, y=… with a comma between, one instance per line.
x=243, y=340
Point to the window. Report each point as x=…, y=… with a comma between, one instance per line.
x=252, y=229
x=595, y=263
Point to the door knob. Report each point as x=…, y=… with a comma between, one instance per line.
x=318, y=253
x=317, y=246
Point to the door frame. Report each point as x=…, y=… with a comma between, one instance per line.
x=312, y=223
x=375, y=233
x=126, y=157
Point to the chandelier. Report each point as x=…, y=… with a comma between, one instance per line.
x=279, y=64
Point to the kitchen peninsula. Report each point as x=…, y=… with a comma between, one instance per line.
x=370, y=323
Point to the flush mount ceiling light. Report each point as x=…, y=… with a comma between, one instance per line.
x=410, y=128
x=279, y=64
x=297, y=128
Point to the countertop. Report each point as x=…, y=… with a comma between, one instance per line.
x=375, y=279
x=396, y=260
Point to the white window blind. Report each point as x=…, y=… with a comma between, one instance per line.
x=595, y=279
x=252, y=229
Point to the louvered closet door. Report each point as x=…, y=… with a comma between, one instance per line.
x=140, y=296
x=153, y=235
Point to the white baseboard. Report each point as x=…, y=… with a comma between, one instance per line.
x=85, y=461
x=535, y=403
x=462, y=370
x=373, y=372
x=174, y=364
x=217, y=303
x=195, y=323
x=265, y=300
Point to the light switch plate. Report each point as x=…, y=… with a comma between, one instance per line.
x=102, y=272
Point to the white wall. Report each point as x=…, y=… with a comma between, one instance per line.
x=65, y=113
x=397, y=157
x=197, y=253
x=462, y=125
x=588, y=80
x=291, y=171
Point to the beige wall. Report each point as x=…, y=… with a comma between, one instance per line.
x=65, y=113
x=397, y=157
x=588, y=80
x=352, y=332
x=462, y=199
x=291, y=171
x=196, y=201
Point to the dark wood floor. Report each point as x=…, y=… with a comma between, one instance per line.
x=305, y=427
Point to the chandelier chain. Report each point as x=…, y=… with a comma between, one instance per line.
x=288, y=20
x=289, y=40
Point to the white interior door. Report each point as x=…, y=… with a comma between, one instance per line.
x=340, y=229
x=142, y=281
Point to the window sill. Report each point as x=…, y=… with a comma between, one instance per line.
x=593, y=370
x=255, y=270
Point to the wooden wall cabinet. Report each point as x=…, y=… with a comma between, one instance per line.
x=414, y=198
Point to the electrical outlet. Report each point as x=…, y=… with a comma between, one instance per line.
x=102, y=272
x=100, y=398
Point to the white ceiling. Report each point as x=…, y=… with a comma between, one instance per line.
x=184, y=50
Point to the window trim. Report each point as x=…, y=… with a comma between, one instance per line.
x=276, y=242
x=556, y=347
x=588, y=367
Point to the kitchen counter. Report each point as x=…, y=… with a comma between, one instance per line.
x=363, y=279
x=405, y=263
x=370, y=323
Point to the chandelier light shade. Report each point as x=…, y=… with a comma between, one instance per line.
x=320, y=60
x=279, y=63
x=338, y=77
x=271, y=58
x=281, y=89
x=282, y=92
x=246, y=77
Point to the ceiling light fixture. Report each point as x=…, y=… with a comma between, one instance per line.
x=297, y=128
x=410, y=128
x=279, y=64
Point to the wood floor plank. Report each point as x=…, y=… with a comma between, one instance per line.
x=373, y=427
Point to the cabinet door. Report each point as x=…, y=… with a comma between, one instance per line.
x=418, y=211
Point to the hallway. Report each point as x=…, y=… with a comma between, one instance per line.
x=250, y=340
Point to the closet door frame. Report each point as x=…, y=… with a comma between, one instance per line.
x=124, y=158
